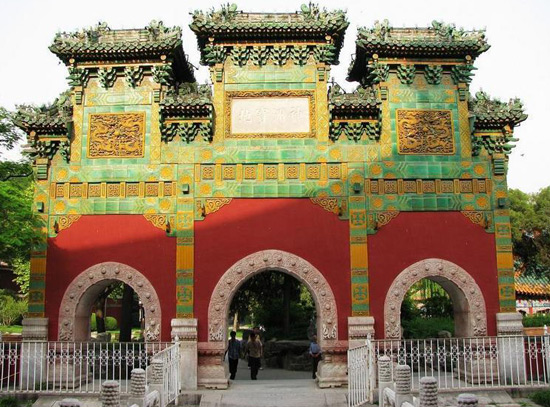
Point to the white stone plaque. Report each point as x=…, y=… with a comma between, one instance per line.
x=270, y=115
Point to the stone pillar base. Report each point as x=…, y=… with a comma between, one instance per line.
x=359, y=330
x=184, y=330
x=332, y=370
x=34, y=351
x=511, y=355
x=211, y=369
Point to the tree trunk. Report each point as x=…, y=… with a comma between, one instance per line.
x=236, y=321
x=126, y=314
x=100, y=315
x=286, y=304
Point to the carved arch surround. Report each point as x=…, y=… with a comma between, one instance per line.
x=74, y=312
x=465, y=294
x=285, y=262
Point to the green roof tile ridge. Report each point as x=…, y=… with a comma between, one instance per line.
x=492, y=112
x=440, y=38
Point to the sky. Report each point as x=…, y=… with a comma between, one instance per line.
x=516, y=65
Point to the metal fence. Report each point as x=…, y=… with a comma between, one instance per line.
x=456, y=363
x=169, y=360
x=71, y=367
x=360, y=377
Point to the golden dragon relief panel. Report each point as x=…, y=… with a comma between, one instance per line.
x=425, y=131
x=116, y=135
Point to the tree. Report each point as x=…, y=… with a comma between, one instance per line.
x=530, y=219
x=9, y=135
x=19, y=226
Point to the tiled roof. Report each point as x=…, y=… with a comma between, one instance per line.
x=361, y=100
x=532, y=286
x=190, y=99
x=310, y=22
x=101, y=42
x=46, y=120
x=438, y=40
x=494, y=114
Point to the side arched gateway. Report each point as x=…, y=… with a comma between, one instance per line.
x=282, y=261
x=468, y=302
x=74, y=312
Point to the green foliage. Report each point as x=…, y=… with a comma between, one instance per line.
x=536, y=320
x=9, y=135
x=111, y=324
x=542, y=398
x=17, y=221
x=22, y=270
x=12, y=309
x=530, y=219
x=11, y=329
x=426, y=310
x=260, y=300
x=420, y=328
x=8, y=402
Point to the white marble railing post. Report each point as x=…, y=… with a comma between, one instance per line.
x=385, y=380
x=428, y=392
x=403, y=385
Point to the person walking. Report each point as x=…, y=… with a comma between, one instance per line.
x=254, y=349
x=233, y=352
x=315, y=353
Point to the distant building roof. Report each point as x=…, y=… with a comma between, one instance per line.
x=530, y=286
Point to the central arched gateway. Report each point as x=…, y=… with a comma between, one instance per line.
x=466, y=296
x=258, y=262
x=331, y=371
x=74, y=312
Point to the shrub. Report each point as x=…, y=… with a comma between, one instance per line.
x=420, y=328
x=111, y=324
x=542, y=398
x=536, y=320
x=12, y=309
x=8, y=402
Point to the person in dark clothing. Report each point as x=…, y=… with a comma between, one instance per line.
x=254, y=351
x=233, y=352
x=315, y=353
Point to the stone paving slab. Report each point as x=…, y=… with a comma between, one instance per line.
x=274, y=393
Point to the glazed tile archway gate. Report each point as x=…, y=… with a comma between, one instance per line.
x=74, y=312
x=261, y=261
x=465, y=294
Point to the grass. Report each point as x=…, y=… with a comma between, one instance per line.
x=11, y=329
x=542, y=398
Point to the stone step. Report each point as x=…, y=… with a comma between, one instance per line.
x=273, y=400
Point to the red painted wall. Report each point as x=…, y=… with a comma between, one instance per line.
x=413, y=236
x=246, y=226
x=128, y=239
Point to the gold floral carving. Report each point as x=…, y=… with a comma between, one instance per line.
x=214, y=204
x=425, y=131
x=66, y=221
x=113, y=135
x=271, y=94
x=383, y=218
x=328, y=204
x=476, y=217
x=158, y=221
